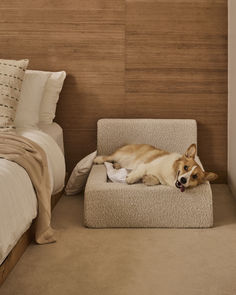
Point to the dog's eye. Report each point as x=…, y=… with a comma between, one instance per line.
x=194, y=176
x=186, y=168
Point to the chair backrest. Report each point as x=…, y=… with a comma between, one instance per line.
x=173, y=135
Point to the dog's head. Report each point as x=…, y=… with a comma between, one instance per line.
x=188, y=172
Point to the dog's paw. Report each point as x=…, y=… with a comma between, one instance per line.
x=98, y=160
x=150, y=180
x=130, y=179
x=116, y=166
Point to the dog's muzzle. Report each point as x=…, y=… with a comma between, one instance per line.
x=179, y=185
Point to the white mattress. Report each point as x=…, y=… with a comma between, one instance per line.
x=18, y=203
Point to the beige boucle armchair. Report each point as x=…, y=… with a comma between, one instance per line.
x=109, y=204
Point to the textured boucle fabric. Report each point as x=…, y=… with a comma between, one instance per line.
x=119, y=205
x=109, y=204
x=172, y=135
x=12, y=73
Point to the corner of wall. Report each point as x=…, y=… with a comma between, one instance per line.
x=232, y=96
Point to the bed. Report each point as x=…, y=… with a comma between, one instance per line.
x=18, y=203
x=28, y=101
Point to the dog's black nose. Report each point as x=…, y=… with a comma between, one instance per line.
x=183, y=180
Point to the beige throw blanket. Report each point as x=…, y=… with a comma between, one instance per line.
x=33, y=159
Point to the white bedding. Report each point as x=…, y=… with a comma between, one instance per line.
x=18, y=203
x=116, y=175
x=55, y=131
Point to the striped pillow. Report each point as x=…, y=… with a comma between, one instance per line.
x=11, y=76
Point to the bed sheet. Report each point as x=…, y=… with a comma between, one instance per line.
x=18, y=203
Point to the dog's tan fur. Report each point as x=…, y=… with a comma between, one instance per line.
x=154, y=166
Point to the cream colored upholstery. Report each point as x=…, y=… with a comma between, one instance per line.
x=120, y=205
x=170, y=135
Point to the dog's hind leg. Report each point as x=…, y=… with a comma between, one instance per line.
x=150, y=180
x=117, y=166
x=102, y=159
x=136, y=174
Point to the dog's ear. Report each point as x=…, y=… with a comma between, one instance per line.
x=191, y=151
x=210, y=176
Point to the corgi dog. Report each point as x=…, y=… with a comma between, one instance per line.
x=154, y=166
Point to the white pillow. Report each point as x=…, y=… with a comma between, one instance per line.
x=78, y=178
x=51, y=96
x=27, y=113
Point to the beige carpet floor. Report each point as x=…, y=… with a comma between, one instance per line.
x=131, y=261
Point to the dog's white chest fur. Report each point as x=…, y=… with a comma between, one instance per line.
x=163, y=169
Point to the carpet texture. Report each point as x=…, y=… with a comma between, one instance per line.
x=131, y=261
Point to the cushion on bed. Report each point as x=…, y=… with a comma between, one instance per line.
x=51, y=96
x=12, y=73
x=109, y=204
x=33, y=86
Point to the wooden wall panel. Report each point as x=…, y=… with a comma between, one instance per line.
x=91, y=95
x=128, y=58
x=176, y=67
x=86, y=38
x=78, y=143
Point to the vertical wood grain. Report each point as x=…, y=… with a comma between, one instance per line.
x=86, y=38
x=126, y=59
x=176, y=67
